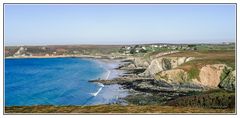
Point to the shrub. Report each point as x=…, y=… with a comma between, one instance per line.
x=166, y=64
x=193, y=73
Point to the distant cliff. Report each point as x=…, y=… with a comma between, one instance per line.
x=169, y=69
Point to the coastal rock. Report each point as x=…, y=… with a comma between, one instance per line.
x=150, y=85
x=172, y=76
x=127, y=66
x=164, y=63
x=139, y=62
x=210, y=75
x=131, y=66
x=178, y=78
x=228, y=79
x=189, y=59
x=153, y=85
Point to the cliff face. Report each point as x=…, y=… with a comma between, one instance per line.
x=164, y=63
x=139, y=62
x=175, y=76
x=228, y=78
x=168, y=69
x=218, y=75
x=210, y=76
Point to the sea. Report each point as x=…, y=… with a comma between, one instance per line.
x=59, y=81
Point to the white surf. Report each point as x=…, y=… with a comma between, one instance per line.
x=100, y=84
x=109, y=72
x=96, y=93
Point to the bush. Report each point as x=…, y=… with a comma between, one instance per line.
x=193, y=73
x=219, y=99
x=166, y=64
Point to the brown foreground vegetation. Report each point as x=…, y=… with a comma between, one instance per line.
x=113, y=109
x=209, y=99
x=207, y=57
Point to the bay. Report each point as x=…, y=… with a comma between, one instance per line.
x=59, y=81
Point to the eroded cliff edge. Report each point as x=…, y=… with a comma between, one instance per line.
x=182, y=72
x=180, y=78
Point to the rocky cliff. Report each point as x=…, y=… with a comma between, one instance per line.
x=228, y=78
x=209, y=76
x=163, y=64
x=168, y=69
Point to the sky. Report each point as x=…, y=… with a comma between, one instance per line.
x=59, y=24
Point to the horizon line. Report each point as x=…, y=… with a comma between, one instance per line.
x=117, y=44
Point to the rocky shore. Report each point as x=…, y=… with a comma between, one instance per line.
x=150, y=84
x=171, y=80
x=161, y=81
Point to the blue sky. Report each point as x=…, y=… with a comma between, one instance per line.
x=48, y=24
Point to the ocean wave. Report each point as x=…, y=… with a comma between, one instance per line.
x=96, y=93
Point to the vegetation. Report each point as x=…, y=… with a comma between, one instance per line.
x=193, y=73
x=207, y=57
x=136, y=50
x=65, y=49
x=181, y=76
x=225, y=73
x=146, y=99
x=167, y=64
x=210, y=99
x=158, y=76
x=208, y=47
x=217, y=101
x=113, y=109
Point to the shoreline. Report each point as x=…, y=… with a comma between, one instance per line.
x=67, y=56
x=108, y=65
x=111, y=72
x=145, y=91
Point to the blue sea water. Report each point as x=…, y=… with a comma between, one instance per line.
x=56, y=81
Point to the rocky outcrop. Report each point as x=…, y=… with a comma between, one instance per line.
x=164, y=70
x=164, y=63
x=134, y=63
x=228, y=81
x=139, y=62
x=174, y=76
x=210, y=75
x=131, y=66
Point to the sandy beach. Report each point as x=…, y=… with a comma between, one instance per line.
x=110, y=93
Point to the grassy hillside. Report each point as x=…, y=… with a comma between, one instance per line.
x=113, y=109
x=208, y=57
